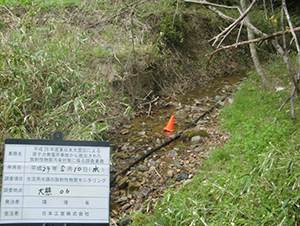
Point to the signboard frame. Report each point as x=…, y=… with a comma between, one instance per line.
x=57, y=141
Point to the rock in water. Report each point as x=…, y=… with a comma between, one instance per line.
x=172, y=154
x=125, y=221
x=182, y=176
x=196, y=139
x=123, y=182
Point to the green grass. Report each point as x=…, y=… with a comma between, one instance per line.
x=50, y=78
x=46, y=82
x=253, y=180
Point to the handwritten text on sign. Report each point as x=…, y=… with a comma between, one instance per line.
x=45, y=183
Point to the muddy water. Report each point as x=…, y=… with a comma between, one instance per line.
x=140, y=135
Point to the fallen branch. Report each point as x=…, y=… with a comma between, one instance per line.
x=252, y=41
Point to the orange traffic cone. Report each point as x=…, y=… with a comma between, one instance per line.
x=169, y=127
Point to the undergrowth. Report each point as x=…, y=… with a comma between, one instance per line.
x=46, y=81
x=253, y=180
x=58, y=58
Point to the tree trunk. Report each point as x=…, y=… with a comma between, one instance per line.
x=253, y=51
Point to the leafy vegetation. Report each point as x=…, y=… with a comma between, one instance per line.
x=55, y=65
x=253, y=179
x=171, y=30
x=47, y=82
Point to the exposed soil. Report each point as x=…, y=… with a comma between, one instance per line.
x=181, y=66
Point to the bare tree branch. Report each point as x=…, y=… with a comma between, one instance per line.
x=252, y=41
x=284, y=103
x=274, y=42
x=251, y=26
x=231, y=26
x=204, y=2
x=291, y=26
x=239, y=34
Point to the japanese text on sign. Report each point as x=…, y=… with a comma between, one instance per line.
x=52, y=183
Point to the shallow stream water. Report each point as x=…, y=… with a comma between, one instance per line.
x=145, y=132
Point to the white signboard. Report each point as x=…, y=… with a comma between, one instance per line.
x=63, y=183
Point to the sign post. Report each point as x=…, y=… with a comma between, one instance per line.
x=51, y=182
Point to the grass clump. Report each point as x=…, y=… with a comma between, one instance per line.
x=253, y=180
x=49, y=78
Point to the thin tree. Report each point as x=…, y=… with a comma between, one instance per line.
x=253, y=51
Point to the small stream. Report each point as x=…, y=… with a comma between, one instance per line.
x=173, y=164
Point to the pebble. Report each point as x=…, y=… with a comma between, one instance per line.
x=170, y=173
x=196, y=139
x=106, y=46
x=176, y=163
x=123, y=182
x=202, y=122
x=143, y=168
x=126, y=206
x=124, y=131
x=134, y=185
x=125, y=147
x=125, y=221
x=181, y=114
x=199, y=149
x=122, y=199
x=145, y=191
x=182, y=176
x=187, y=181
x=172, y=154
x=198, y=103
x=219, y=97
x=152, y=163
x=158, y=141
x=126, y=126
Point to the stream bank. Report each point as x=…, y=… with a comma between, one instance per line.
x=175, y=164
